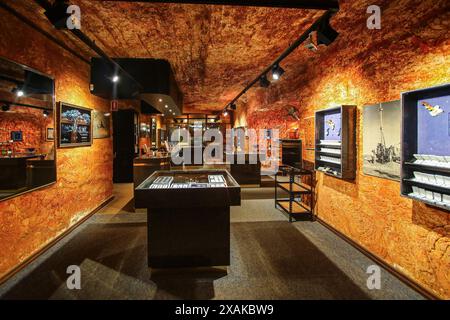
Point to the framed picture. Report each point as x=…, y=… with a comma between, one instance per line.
x=308, y=128
x=101, y=124
x=381, y=140
x=75, y=126
x=50, y=134
x=16, y=136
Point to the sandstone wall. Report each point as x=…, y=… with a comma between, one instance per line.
x=411, y=51
x=84, y=175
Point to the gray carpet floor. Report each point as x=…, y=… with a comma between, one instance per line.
x=270, y=259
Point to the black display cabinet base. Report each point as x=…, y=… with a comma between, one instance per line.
x=180, y=238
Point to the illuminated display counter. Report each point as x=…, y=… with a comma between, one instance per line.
x=188, y=217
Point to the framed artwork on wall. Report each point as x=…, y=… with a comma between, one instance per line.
x=50, y=134
x=308, y=128
x=75, y=126
x=101, y=124
x=381, y=140
x=16, y=136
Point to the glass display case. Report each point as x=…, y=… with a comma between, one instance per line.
x=425, y=168
x=188, y=217
x=336, y=142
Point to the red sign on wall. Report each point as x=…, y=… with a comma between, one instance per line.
x=114, y=105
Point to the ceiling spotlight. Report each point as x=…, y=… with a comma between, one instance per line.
x=166, y=106
x=46, y=113
x=170, y=110
x=264, y=82
x=233, y=106
x=277, y=72
x=19, y=92
x=225, y=113
x=160, y=100
x=115, y=79
x=174, y=113
x=325, y=33
x=5, y=107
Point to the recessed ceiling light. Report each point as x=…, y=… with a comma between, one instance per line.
x=160, y=100
x=170, y=110
x=166, y=106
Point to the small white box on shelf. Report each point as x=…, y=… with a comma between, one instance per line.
x=439, y=180
x=447, y=181
x=446, y=199
x=422, y=193
x=429, y=195
x=419, y=159
x=437, y=196
x=426, y=159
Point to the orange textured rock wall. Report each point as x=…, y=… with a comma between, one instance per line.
x=30, y=221
x=411, y=51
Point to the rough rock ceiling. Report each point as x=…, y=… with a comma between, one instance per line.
x=214, y=50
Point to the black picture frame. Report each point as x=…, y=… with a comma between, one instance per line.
x=79, y=128
x=16, y=136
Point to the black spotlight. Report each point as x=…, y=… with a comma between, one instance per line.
x=277, y=72
x=5, y=107
x=233, y=106
x=264, y=82
x=325, y=33
x=46, y=113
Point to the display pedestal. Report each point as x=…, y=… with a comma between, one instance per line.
x=188, y=217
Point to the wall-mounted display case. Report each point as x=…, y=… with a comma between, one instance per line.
x=425, y=169
x=335, y=142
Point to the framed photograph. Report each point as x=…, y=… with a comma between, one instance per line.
x=16, y=136
x=50, y=134
x=102, y=124
x=381, y=140
x=75, y=126
x=308, y=128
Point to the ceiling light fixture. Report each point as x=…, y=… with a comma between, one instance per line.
x=325, y=33
x=264, y=82
x=46, y=113
x=277, y=72
x=5, y=107
x=225, y=113
x=115, y=79
x=160, y=100
x=166, y=106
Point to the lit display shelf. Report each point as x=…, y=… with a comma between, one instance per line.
x=336, y=142
x=425, y=171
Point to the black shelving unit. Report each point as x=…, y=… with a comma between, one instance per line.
x=294, y=205
x=414, y=142
x=336, y=156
